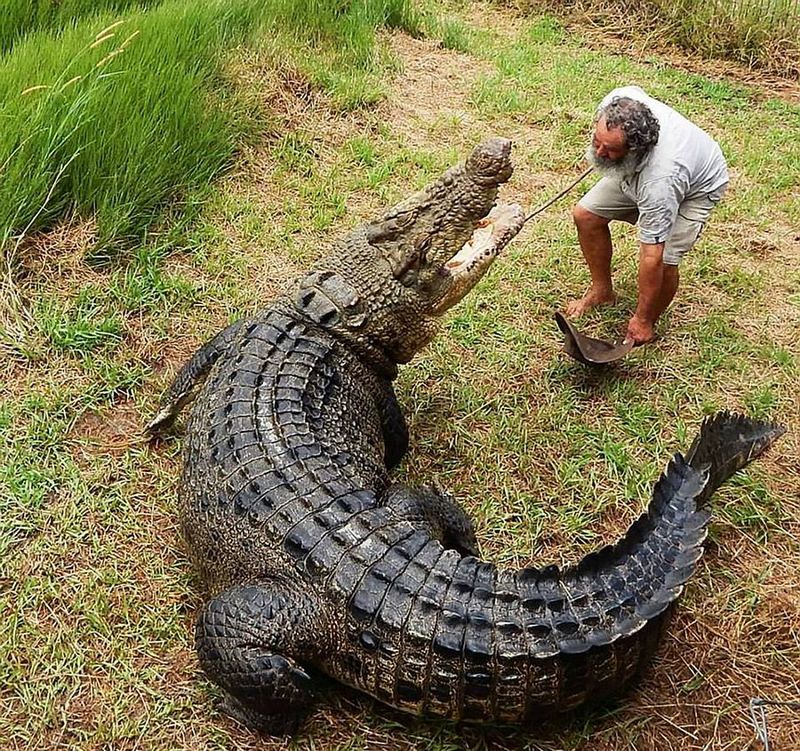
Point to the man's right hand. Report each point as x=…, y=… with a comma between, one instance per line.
x=639, y=331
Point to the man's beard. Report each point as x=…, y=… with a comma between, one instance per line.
x=616, y=169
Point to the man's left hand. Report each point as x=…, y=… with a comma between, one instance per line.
x=639, y=331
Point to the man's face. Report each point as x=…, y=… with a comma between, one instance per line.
x=609, y=144
x=609, y=154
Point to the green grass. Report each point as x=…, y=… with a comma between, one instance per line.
x=333, y=44
x=550, y=458
x=454, y=34
x=22, y=17
x=79, y=327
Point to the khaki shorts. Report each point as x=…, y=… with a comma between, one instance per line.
x=606, y=199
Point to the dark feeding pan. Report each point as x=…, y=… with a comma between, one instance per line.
x=587, y=349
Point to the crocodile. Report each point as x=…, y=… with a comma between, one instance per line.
x=319, y=567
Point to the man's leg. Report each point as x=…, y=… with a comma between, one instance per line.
x=658, y=283
x=604, y=203
x=692, y=217
x=595, y=241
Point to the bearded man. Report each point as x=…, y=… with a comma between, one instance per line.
x=659, y=171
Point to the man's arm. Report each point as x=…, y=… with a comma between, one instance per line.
x=651, y=279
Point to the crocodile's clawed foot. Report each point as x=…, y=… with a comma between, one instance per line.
x=278, y=725
x=163, y=421
x=462, y=536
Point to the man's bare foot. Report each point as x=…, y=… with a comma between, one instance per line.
x=591, y=299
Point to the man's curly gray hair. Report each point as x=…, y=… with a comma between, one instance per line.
x=637, y=121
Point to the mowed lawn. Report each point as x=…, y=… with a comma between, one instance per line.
x=96, y=593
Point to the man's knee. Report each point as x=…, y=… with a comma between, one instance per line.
x=585, y=220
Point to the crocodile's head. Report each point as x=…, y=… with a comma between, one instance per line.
x=433, y=241
x=390, y=279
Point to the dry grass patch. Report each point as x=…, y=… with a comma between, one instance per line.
x=603, y=27
x=431, y=93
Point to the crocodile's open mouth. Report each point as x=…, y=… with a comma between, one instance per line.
x=490, y=236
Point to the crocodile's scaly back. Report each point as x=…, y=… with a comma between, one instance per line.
x=316, y=563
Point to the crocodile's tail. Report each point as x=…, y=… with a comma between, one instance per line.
x=615, y=599
x=645, y=571
x=725, y=444
x=486, y=643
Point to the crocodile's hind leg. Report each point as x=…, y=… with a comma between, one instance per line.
x=438, y=513
x=190, y=376
x=245, y=639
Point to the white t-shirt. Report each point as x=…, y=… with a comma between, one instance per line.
x=685, y=163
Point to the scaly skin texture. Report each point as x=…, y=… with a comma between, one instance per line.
x=316, y=564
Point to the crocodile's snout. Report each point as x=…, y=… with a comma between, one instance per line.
x=490, y=162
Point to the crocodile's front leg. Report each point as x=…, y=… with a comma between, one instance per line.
x=245, y=641
x=191, y=375
x=395, y=430
x=436, y=512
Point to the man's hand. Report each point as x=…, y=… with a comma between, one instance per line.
x=639, y=331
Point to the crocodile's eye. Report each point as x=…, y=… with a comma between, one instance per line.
x=422, y=247
x=390, y=228
x=405, y=219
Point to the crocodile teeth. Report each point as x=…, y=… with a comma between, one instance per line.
x=492, y=233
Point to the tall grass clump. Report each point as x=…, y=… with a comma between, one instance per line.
x=758, y=33
x=755, y=32
x=110, y=118
x=20, y=17
x=113, y=122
